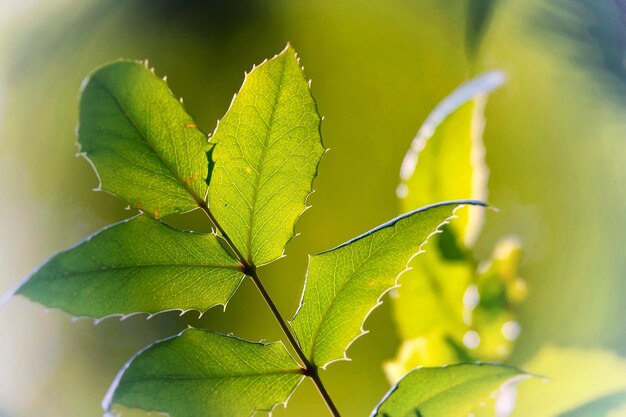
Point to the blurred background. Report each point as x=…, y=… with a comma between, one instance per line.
x=555, y=139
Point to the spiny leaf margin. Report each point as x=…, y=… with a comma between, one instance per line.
x=228, y=176
x=112, y=237
x=308, y=337
x=140, y=141
x=109, y=399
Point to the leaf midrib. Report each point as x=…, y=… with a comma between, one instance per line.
x=141, y=266
x=215, y=376
x=191, y=192
x=262, y=161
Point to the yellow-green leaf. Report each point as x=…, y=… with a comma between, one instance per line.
x=451, y=391
x=346, y=283
x=268, y=147
x=446, y=158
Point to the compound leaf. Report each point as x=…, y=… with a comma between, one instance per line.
x=138, y=265
x=145, y=148
x=446, y=159
x=205, y=374
x=345, y=283
x=451, y=391
x=268, y=147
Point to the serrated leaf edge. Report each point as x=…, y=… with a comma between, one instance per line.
x=121, y=316
x=319, y=129
x=475, y=89
x=460, y=204
x=107, y=401
x=80, y=153
x=517, y=378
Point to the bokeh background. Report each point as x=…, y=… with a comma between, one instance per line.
x=555, y=137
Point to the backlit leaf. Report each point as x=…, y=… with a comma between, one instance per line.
x=448, y=307
x=145, y=148
x=268, y=146
x=446, y=158
x=205, y=374
x=451, y=391
x=345, y=283
x=139, y=265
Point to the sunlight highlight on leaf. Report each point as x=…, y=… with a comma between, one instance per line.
x=268, y=147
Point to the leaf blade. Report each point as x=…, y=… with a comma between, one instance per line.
x=446, y=157
x=451, y=391
x=109, y=274
x=200, y=374
x=268, y=147
x=142, y=144
x=345, y=284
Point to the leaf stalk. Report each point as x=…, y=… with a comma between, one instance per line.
x=309, y=369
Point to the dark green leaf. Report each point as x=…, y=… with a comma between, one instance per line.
x=139, y=265
x=144, y=147
x=204, y=374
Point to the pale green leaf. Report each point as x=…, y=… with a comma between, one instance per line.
x=204, y=374
x=579, y=383
x=446, y=158
x=138, y=265
x=145, y=148
x=429, y=311
x=345, y=283
x=466, y=313
x=268, y=147
x=451, y=391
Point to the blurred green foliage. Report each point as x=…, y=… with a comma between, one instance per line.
x=555, y=150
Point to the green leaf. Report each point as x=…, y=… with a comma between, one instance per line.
x=466, y=313
x=268, y=147
x=138, y=265
x=144, y=147
x=346, y=283
x=451, y=391
x=204, y=374
x=580, y=382
x=444, y=287
x=446, y=160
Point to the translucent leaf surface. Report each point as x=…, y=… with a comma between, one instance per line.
x=145, y=148
x=139, y=265
x=345, y=283
x=448, y=307
x=444, y=392
x=446, y=158
x=268, y=146
x=204, y=374
x=449, y=312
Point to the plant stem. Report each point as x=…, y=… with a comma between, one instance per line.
x=310, y=369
